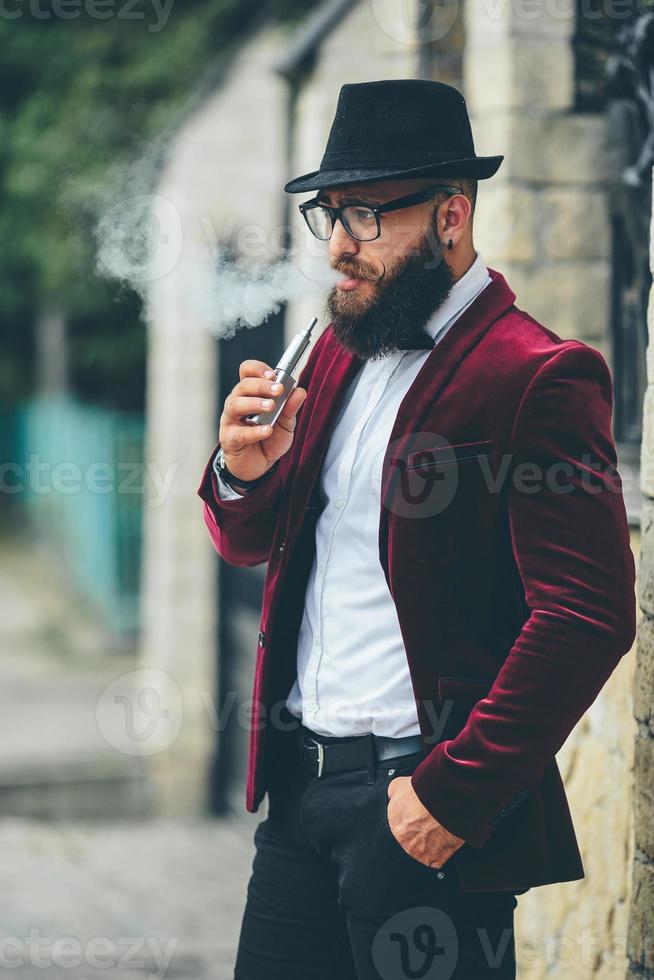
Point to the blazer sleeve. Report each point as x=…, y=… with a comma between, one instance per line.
x=570, y=540
x=241, y=528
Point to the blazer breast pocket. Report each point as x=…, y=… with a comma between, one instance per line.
x=433, y=458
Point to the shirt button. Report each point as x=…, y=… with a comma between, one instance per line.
x=339, y=503
x=316, y=640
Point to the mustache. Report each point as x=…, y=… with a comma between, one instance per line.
x=356, y=270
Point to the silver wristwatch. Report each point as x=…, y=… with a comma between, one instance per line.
x=220, y=467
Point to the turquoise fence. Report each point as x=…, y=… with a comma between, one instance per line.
x=77, y=473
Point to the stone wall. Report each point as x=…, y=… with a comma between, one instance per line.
x=542, y=221
x=641, y=919
x=543, y=217
x=578, y=929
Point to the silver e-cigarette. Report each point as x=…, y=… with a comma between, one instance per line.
x=283, y=374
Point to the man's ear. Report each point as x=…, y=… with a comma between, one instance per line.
x=456, y=212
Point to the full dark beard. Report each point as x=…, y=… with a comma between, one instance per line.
x=402, y=305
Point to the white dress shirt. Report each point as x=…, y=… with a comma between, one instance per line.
x=352, y=670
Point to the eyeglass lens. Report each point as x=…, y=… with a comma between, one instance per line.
x=360, y=222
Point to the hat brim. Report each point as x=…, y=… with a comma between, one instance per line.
x=477, y=168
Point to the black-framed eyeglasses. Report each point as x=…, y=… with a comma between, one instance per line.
x=361, y=220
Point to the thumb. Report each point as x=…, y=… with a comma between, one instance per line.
x=293, y=402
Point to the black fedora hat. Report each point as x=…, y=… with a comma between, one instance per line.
x=407, y=127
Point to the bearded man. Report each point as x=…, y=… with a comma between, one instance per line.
x=449, y=585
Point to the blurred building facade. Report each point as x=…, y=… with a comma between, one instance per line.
x=534, y=83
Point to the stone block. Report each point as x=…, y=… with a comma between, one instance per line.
x=644, y=676
x=647, y=444
x=644, y=793
x=505, y=222
x=389, y=29
x=640, y=941
x=515, y=75
x=557, y=149
x=492, y=133
x=483, y=62
x=574, y=223
x=646, y=560
x=571, y=299
x=524, y=19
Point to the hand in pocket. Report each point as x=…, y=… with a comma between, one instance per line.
x=414, y=828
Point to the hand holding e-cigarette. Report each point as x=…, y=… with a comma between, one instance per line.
x=258, y=419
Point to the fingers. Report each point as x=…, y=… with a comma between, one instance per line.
x=287, y=418
x=241, y=405
x=257, y=386
x=253, y=369
x=247, y=398
x=253, y=395
x=293, y=402
x=236, y=437
x=393, y=785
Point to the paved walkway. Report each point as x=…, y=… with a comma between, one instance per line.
x=115, y=898
x=56, y=661
x=123, y=901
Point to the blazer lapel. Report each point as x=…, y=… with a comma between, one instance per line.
x=442, y=361
x=434, y=374
x=314, y=432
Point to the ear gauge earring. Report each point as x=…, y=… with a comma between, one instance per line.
x=449, y=243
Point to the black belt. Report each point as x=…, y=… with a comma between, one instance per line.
x=323, y=755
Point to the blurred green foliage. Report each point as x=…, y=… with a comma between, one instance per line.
x=79, y=99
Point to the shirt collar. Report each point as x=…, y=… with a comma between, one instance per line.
x=461, y=295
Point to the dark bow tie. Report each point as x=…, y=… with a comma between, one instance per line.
x=424, y=341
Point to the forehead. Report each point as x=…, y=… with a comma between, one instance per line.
x=373, y=192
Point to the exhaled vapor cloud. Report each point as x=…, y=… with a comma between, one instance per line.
x=141, y=241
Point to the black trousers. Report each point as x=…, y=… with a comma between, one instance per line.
x=334, y=896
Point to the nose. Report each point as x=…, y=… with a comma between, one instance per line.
x=341, y=243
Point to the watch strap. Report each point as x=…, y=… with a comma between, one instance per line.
x=220, y=468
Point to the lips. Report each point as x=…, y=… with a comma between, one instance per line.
x=348, y=283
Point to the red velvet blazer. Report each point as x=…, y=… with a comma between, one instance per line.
x=504, y=542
